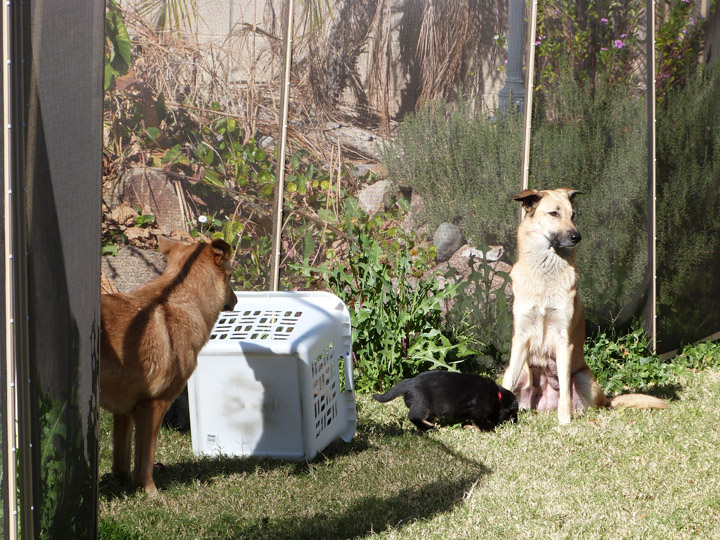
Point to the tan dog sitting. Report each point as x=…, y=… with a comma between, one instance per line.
x=547, y=367
x=150, y=342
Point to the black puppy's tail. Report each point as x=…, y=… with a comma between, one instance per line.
x=395, y=391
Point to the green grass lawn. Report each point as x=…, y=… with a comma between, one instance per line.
x=610, y=474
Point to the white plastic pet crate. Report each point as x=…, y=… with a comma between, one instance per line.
x=268, y=382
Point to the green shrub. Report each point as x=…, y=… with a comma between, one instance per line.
x=688, y=169
x=483, y=307
x=468, y=170
x=596, y=142
x=705, y=355
x=395, y=305
x=465, y=165
x=626, y=362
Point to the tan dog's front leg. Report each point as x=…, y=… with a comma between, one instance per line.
x=563, y=356
x=148, y=417
x=518, y=359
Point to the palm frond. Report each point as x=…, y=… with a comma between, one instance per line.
x=172, y=15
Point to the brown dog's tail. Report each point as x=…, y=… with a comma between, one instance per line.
x=637, y=401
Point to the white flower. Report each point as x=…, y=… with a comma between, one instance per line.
x=202, y=219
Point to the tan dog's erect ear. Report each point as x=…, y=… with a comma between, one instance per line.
x=571, y=192
x=529, y=198
x=222, y=250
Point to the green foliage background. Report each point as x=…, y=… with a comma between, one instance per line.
x=688, y=178
x=396, y=304
x=464, y=164
x=597, y=142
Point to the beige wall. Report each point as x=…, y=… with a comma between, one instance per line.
x=222, y=31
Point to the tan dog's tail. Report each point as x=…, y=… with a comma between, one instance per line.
x=637, y=401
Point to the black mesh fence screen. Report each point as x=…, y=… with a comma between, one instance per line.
x=396, y=137
x=399, y=159
x=688, y=176
x=61, y=108
x=590, y=133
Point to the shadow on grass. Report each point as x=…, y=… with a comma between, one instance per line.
x=667, y=391
x=365, y=515
x=451, y=476
x=391, y=510
x=204, y=470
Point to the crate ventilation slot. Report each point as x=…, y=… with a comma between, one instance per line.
x=275, y=325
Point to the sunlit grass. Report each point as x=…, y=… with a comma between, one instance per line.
x=610, y=474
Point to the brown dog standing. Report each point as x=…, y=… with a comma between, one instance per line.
x=548, y=322
x=150, y=342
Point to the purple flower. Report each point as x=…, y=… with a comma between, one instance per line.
x=603, y=21
x=619, y=43
x=537, y=42
x=623, y=35
x=603, y=48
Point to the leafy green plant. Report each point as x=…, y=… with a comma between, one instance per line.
x=705, y=355
x=481, y=307
x=605, y=39
x=66, y=494
x=117, y=45
x=679, y=42
x=589, y=38
x=395, y=306
x=144, y=220
x=626, y=362
x=171, y=15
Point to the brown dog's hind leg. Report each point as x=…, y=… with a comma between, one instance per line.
x=122, y=439
x=148, y=417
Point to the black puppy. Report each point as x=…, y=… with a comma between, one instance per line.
x=462, y=396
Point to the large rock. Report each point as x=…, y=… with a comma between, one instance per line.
x=156, y=192
x=413, y=218
x=376, y=197
x=493, y=254
x=494, y=270
x=448, y=238
x=359, y=140
x=132, y=267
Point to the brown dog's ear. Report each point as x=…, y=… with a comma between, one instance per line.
x=529, y=198
x=166, y=245
x=571, y=192
x=222, y=250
